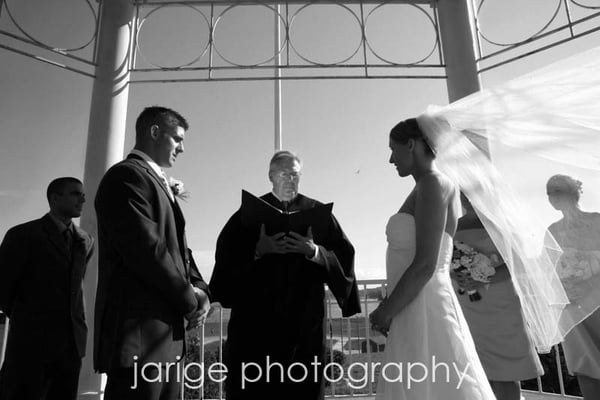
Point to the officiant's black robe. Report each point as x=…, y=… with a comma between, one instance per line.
x=277, y=305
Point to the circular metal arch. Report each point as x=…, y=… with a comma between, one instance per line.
x=381, y=58
x=193, y=61
x=306, y=59
x=45, y=45
x=266, y=61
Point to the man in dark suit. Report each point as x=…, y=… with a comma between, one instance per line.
x=42, y=265
x=148, y=283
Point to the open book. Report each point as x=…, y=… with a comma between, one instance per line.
x=255, y=212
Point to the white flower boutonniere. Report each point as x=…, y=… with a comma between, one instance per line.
x=177, y=188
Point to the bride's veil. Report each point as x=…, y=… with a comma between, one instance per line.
x=500, y=146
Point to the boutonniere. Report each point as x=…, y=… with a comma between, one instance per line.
x=177, y=188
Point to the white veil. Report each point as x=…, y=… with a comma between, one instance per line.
x=549, y=118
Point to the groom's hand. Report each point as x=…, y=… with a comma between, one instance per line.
x=269, y=244
x=197, y=317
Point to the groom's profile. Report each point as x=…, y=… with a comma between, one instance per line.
x=148, y=284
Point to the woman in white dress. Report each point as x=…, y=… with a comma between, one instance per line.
x=422, y=316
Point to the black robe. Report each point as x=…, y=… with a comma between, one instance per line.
x=278, y=306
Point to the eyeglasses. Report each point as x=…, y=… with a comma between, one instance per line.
x=292, y=176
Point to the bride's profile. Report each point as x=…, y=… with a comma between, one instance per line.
x=421, y=315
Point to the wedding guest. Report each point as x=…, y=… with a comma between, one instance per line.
x=42, y=266
x=147, y=281
x=421, y=315
x=274, y=286
x=578, y=233
x=494, y=316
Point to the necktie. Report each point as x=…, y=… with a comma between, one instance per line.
x=68, y=234
x=165, y=181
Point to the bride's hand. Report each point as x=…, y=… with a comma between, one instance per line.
x=380, y=320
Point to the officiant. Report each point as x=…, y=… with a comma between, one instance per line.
x=274, y=284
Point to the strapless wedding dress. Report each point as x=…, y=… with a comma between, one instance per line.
x=429, y=353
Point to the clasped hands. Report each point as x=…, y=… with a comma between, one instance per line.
x=197, y=317
x=380, y=319
x=283, y=243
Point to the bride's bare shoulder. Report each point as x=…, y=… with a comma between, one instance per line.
x=439, y=183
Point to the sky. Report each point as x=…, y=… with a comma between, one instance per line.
x=339, y=127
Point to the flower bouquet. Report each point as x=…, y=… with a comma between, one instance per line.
x=479, y=266
x=579, y=272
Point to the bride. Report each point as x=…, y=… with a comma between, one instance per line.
x=422, y=316
x=550, y=115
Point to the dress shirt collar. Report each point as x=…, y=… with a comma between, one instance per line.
x=62, y=227
x=278, y=198
x=155, y=167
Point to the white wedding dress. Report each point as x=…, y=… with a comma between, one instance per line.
x=431, y=330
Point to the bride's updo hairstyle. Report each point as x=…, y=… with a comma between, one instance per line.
x=564, y=185
x=409, y=129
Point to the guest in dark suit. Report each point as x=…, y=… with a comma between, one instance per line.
x=42, y=265
x=147, y=281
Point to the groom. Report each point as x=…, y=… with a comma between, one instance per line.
x=147, y=281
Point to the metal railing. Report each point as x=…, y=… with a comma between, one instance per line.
x=349, y=340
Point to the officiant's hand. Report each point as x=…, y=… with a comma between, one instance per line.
x=296, y=243
x=270, y=244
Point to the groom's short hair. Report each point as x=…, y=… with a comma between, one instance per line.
x=156, y=115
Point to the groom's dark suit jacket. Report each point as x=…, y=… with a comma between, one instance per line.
x=144, y=270
x=41, y=290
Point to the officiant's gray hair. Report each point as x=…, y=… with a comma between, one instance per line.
x=282, y=156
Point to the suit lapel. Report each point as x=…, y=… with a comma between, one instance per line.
x=143, y=164
x=79, y=253
x=54, y=236
x=179, y=219
x=177, y=213
x=180, y=224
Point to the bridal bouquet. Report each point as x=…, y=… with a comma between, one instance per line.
x=479, y=266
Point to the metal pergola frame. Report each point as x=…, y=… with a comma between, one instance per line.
x=358, y=66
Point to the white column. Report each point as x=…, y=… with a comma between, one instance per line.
x=459, y=46
x=458, y=32
x=105, y=145
x=277, y=82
